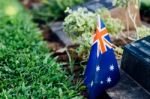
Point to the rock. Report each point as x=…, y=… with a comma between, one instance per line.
x=123, y=15
x=93, y=5
x=127, y=88
x=57, y=29
x=136, y=61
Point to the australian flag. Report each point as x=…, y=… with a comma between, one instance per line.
x=102, y=69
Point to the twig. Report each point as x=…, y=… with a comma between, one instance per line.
x=133, y=19
x=70, y=60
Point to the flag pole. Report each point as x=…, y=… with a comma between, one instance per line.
x=104, y=94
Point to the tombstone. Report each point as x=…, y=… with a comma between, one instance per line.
x=93, y=5
x=124, y=16
x=136, y=61
x=57, y=29
x=127, y=88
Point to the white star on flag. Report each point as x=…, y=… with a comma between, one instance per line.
x=97, y=68
x=111, y=67
x=91, y=83
x=108, y=80
x=101, y=82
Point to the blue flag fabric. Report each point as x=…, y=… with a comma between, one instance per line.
x=102, y=69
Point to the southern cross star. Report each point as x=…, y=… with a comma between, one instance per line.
x=101, y=82
x=91, y=83
x=108, y=80
x=111, y=68
x=97, y=68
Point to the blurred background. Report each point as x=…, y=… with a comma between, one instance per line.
x=45, y=45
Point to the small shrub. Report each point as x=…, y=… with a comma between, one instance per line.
x=145, y=8
x=125, y=3
x=145, y=4
x=81, y=25
x=143, y=31
x=113, y=25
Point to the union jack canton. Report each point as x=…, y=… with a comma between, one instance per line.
x=102, y=69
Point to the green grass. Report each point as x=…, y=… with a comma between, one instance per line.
x=27, y=69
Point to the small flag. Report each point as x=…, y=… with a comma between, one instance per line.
x=102, y=69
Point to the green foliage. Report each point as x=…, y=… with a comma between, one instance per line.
x=125, y=3
x=143, y=31
x=54, y=9
x=81, y=25
x=145, y=8
x=113, y=25
x=80, y=22
x=145, y=5
x=27, y=69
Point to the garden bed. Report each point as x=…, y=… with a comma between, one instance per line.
x=74, y=62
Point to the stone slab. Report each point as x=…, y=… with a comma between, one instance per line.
x=136, y=61
x=127, y=88
x=57, y=28
x=93, y=5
